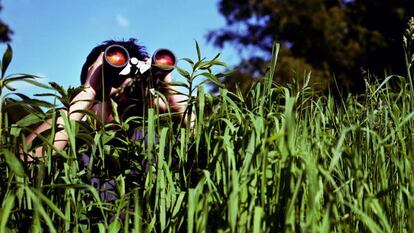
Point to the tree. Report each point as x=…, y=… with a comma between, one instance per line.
x=5, y=31
x=331, y=37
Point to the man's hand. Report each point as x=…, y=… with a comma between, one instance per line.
x=96, y=80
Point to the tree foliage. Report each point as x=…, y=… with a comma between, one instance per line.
x=5, y=31
x=332, y=37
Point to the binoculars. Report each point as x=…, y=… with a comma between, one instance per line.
x=117, y=62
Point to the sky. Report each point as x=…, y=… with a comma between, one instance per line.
x=53, y=37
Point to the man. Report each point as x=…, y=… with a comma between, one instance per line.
x=100, y=86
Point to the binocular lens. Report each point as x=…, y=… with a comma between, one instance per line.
x=164, y=58
x=116, y=56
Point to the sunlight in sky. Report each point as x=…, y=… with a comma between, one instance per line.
x=52, y=38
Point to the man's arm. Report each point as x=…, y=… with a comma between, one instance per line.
x=83, y=101
x=176, y=102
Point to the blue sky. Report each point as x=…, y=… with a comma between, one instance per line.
x=53, y=37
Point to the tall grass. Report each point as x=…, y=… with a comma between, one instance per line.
x=283, y=158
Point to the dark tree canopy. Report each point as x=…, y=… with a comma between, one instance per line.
x=5, y=31
x=331, y=37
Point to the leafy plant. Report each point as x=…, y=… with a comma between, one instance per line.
x=279, y=159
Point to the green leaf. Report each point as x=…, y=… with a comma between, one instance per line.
x=18, y=77
x=258, y=213
x=183, y=73
x=188, y=60
x=178, y=204
x=198, y=51
x=204, y=65
x=30, y=119
x=7, y=57
x=114, y=227
x=275, y=54
x=5, y=211
x=212, y=78
x=32, y=103
x=101, y=228
x=179, y=84
x=50, y=204
x=13, y=162
x=59, y=88
x=40, y=210
x=218, y=63
x=36, y=83
x=225, y=74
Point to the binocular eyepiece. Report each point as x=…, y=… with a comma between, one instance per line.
x=117, y=58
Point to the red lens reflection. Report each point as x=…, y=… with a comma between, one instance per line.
x=116, y=58
x=164, y=58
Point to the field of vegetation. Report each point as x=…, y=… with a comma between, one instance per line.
x=282, y=158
